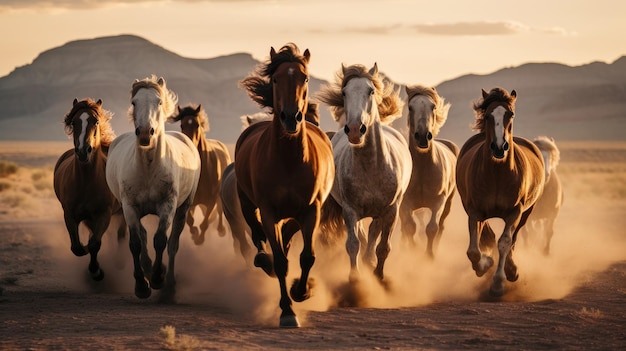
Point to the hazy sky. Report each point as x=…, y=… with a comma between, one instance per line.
x=413, y=42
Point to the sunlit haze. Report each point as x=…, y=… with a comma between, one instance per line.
x=412, y=41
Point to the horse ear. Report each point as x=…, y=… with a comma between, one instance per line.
x=307, y=55
x=272, y=53
x=434, y=89
x=343, y=69
x=374, y=70
x=485, y=94
x=199, y=108
x=249, y=120
x=514, y=93
x=99, y=102
x=406, y=89
x=75, y=102
x=136, y=81
x=161, y=81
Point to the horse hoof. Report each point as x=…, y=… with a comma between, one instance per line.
x=496, y=291
x=79, y=250
x=143, y=291
x=264, y=261
x=299, y=296
x=98, y=275
x=289, y=321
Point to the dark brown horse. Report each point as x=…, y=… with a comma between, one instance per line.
x=214, y=158
x=284, y=170
x=497, y=175
x=80, y=181
x=432, y=183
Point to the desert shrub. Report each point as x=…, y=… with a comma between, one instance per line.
x=16, y=200
x=42, y=180
x=7, y=168
x=4, y=185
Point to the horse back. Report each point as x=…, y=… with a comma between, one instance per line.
x=450, y=145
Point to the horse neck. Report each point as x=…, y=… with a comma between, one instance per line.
x=151, y=157
x=199, y=140
x=374, y=147
x=509, y=159
x=292, y=147
x=95, y=165
x=420, y=155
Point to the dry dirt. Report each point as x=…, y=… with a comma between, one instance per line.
x=573, y=299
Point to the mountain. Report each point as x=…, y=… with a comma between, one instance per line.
x=586, y=102
x=34, y=98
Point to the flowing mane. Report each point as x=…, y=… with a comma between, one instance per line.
x=169, y=98
x=387, y=96
x=496, y=95
x=259, y=86
x=201, y=117
x=441, y=107
x=545, y=143
x=104, y=117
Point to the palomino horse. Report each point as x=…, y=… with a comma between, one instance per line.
x=541, y=221
x=152, y=171
x=372, y=161
x=228, y=190
x=432, y=183
x=80, y=183
x=497, y=175
x=284, y=169
x=214, y=158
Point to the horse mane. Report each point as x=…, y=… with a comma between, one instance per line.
x=168, y=97
x=496, y=94
x=387, y=96
x=259, y=86
x=104, y=117
x=201, y=117
x=441, y=107
x=545, y=143
x=248, y=120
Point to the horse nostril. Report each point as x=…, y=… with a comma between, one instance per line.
x=346, y=129
x=283, y=117
x=299, y=116
x=429, y=136
x=89, y=149
x=505, y=147
x=137, y=131
x=362, y=129
x=151, y=131
x=416, y=136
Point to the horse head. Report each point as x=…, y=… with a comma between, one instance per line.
x=427, y=113
x=361, y=93
x=550, y=152
x=83, y=123
x=290, y=88
x=193, y=122
x=495, y=118
x=151, y=102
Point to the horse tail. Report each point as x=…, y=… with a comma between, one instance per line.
x=332, y=227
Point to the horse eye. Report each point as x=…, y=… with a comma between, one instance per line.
x=306, y=80
x=371, y=91
x=410, y=108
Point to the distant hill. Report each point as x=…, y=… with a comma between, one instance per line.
x=569, y=103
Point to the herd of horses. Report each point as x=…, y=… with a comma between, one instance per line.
x=289, y=176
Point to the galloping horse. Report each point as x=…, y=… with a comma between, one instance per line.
x=432, y=183
x=372, y=161
x=214, y=158
x=284, y=169
x=547, y=208
x=497, y=175
x=79, y=179
x=152, y=171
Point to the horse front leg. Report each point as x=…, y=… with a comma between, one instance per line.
x=352, y=243
x=262, y=259
x=373, y=234
x=97, y=227
x=178, y=224
x=481, y=262
x=195, y=232
x=433, y=228
x=301, y=289
x=142, y=289
x=408, y=226
x=505, y=259
x=388, y=222
x=166, y=212
x=72, y=228
x=221, y=229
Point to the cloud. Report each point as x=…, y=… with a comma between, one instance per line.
x=484, y=28
x=19, y=5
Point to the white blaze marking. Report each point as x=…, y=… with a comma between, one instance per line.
x=291, y=71
x=498, y=119
x=83, y=129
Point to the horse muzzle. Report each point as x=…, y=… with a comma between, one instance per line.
x=498, y=152
x=423, y=141
x=291, y=124
x=144, y=136
x=83, y=154
x=355, y=132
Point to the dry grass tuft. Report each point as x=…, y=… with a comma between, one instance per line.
x=181, y=342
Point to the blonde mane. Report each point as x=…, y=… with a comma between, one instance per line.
x=545, y=143
x=441, y=107
x=386, y=95
x=168, y=97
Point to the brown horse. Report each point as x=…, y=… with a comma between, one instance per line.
x=284, y=169
x=80, y=182
x=214, y=158
x=432, y=183
x=497, y=175
x=547, y=208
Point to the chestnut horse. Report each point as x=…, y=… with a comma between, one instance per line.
x=433, y=181
x=284, y=169
x=541, y=222
x=153, y=172
x=80, y=182
x=497, y=175
x=372, y=161
x=214, y=158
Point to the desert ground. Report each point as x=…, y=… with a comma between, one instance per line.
x=573, y=299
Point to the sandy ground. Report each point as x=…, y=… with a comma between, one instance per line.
x=573, y=299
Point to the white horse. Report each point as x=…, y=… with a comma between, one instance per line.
x=372, y=161
x=152, y=171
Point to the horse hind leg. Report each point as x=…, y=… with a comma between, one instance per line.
x=195, y=231
x=408, y=226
